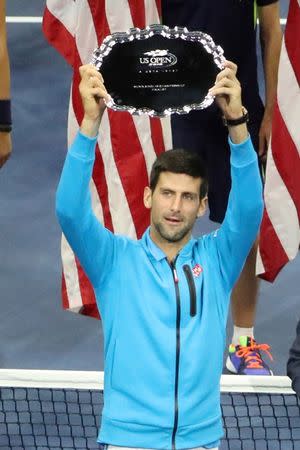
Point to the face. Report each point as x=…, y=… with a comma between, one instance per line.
x=175, y=205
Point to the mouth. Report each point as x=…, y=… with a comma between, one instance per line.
x=173, y=220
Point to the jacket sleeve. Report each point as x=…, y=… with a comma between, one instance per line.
x=93, y=244
x=293, y=364
x=239, y=229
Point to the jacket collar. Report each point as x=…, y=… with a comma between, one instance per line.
x=157, y=253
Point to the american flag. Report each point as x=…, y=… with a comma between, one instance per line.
x=127, y=145
x=280, y=234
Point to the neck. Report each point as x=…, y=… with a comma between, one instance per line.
x=170, y=249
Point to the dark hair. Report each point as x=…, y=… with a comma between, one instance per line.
x=183, y=161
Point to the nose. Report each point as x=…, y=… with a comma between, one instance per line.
x=176, y=203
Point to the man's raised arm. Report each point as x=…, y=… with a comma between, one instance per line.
x=90, y=241
x=244, y=211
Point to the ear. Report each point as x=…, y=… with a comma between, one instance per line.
x=147, y=197
x=202, y=207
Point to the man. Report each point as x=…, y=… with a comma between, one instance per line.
x=232, y=24
x=5, y=112
x=165, y=297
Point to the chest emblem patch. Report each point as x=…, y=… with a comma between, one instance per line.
x=197, y=270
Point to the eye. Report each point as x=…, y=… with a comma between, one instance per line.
x=166, y=193
x=188, y=196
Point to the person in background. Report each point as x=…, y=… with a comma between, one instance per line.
x=5, y=105
x=293, y=364
x=232, y=25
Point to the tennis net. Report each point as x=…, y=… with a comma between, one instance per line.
x=42, y=410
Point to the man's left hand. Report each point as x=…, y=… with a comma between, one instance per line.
x=228, y=93
x=5, y=147
x=264, y=136
x=227, y=90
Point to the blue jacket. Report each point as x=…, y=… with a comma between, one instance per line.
x=164, y=326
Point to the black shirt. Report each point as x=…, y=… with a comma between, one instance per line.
x=231, y=24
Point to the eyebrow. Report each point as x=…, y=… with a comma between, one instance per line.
x=194, y=194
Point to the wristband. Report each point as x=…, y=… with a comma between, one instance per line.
x=5, y=116
x=234, y=122
x=5, y=128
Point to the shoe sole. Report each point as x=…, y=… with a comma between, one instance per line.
x=230, y=366
x=232, y=369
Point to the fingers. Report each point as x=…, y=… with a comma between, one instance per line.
x=92, y=82
x=262, y=145
x=227, y=90
x=264, y=134
x=3, y=160
x=226, y=82
x=98, y=92
x=226, y=79
x=230, y=65
x=225, y=86
x=227, y=73
x=87, y=71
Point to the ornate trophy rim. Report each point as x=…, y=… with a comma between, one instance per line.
x=170, y=33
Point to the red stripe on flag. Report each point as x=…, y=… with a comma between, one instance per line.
x=58, y=36
x=292, y=37
x=157, y=135
x=86, y=290
x=101, y=187
x=275, y=260
x=130, y=162
x=99, y=17
x=76, y=99
x=91, y=311
x=64, y=293
x=137, y=10
x=286, y=158
x=158, y=5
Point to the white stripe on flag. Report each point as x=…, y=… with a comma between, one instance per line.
x=285, y=217
x=118, y=15
x=289, y=94
x=70, y=274
x=96, y=203
x=151, y=13
x=118, y=205
x=67, y=15
x=86, y=38
x=260, y=268
x=143, y=129
x=72, y=121
x=167, y=132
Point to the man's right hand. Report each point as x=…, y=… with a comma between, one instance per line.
x=93, y=94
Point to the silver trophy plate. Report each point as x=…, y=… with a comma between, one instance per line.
x=158, y=70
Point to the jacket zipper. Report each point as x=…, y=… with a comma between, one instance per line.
x=178, y=315
x=192, y=289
